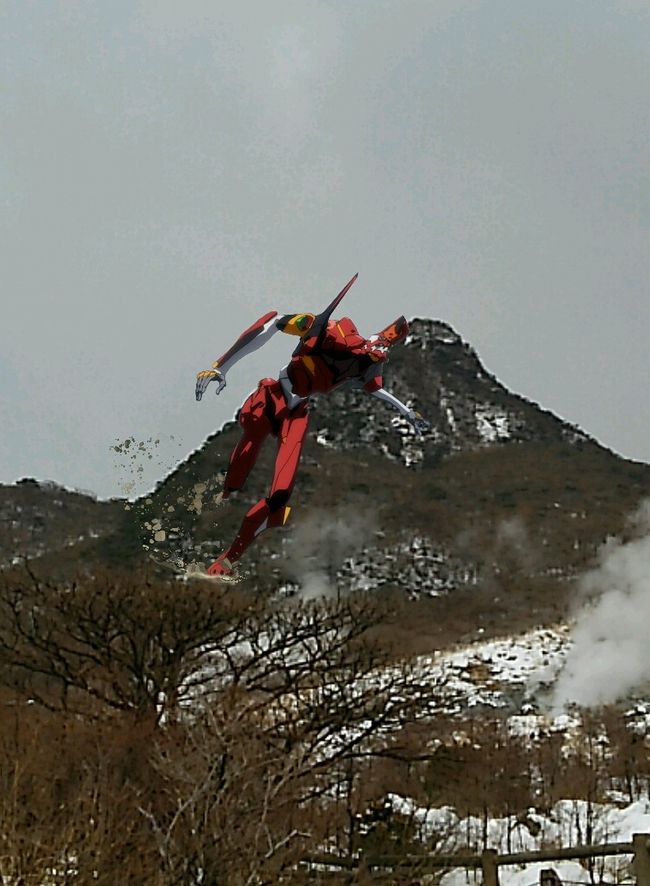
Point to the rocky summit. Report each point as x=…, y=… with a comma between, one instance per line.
x=440, y=375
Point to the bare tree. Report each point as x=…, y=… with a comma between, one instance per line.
x=112, y=643
x=67, y=810
x=305, y=700
x=228, y=721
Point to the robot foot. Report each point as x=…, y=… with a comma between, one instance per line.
x=221, y=569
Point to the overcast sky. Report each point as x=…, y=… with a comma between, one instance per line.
x=171, y=170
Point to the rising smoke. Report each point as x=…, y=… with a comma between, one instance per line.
x=514, y=546
x=318, y=547
x=610, y=655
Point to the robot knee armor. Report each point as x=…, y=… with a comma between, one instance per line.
x=278, y=499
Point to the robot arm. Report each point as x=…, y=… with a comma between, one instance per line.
x=250, y=340
x=420, y=425
x=374, y=387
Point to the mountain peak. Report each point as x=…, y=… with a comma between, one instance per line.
x=440, y=375
x=427, y=333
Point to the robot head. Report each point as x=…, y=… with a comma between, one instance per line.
x=395, y=332
x=296, y=324
x=380, y=343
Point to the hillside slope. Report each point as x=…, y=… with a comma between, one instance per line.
x=500, y=496
x=483, y=523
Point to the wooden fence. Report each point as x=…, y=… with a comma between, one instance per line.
x=488, y=861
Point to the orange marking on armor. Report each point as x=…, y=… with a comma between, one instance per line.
x=338, y=326
x=310, y=366
x=287, y=511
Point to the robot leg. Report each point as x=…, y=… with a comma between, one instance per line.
x=256, y=426
x=272, y=510
x=291, y=438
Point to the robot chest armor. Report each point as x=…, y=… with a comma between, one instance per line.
x=341, y=367
x=339, y=358
x=323, y=372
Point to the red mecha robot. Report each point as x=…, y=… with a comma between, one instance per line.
x=330, y=353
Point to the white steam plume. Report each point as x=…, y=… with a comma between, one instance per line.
x=610, y=655
x=318, y=547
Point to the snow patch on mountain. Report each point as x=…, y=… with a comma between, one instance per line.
x=416, y=565
x=494, y=672
x=492, y=424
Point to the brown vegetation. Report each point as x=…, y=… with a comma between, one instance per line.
x=162, y=733
x=153, y=732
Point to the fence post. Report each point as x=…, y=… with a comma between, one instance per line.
x=641, y=859
x=489, y=867
x=549, y=877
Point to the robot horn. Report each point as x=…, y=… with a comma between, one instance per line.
x=320, y=323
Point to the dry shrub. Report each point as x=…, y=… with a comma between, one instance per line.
x=68, y=797
x=182, y=733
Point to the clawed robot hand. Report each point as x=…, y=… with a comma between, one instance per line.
x=419, y=424
x=204, y=378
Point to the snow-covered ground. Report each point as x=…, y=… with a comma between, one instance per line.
x=566, y=825
x=499, y=674
x=492, y=672
x=569, y=872
x=504, y=675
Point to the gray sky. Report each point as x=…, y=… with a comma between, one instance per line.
x=170, y=171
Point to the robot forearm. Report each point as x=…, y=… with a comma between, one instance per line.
x=387, y=397
x=420, y=425
x=250, y=340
